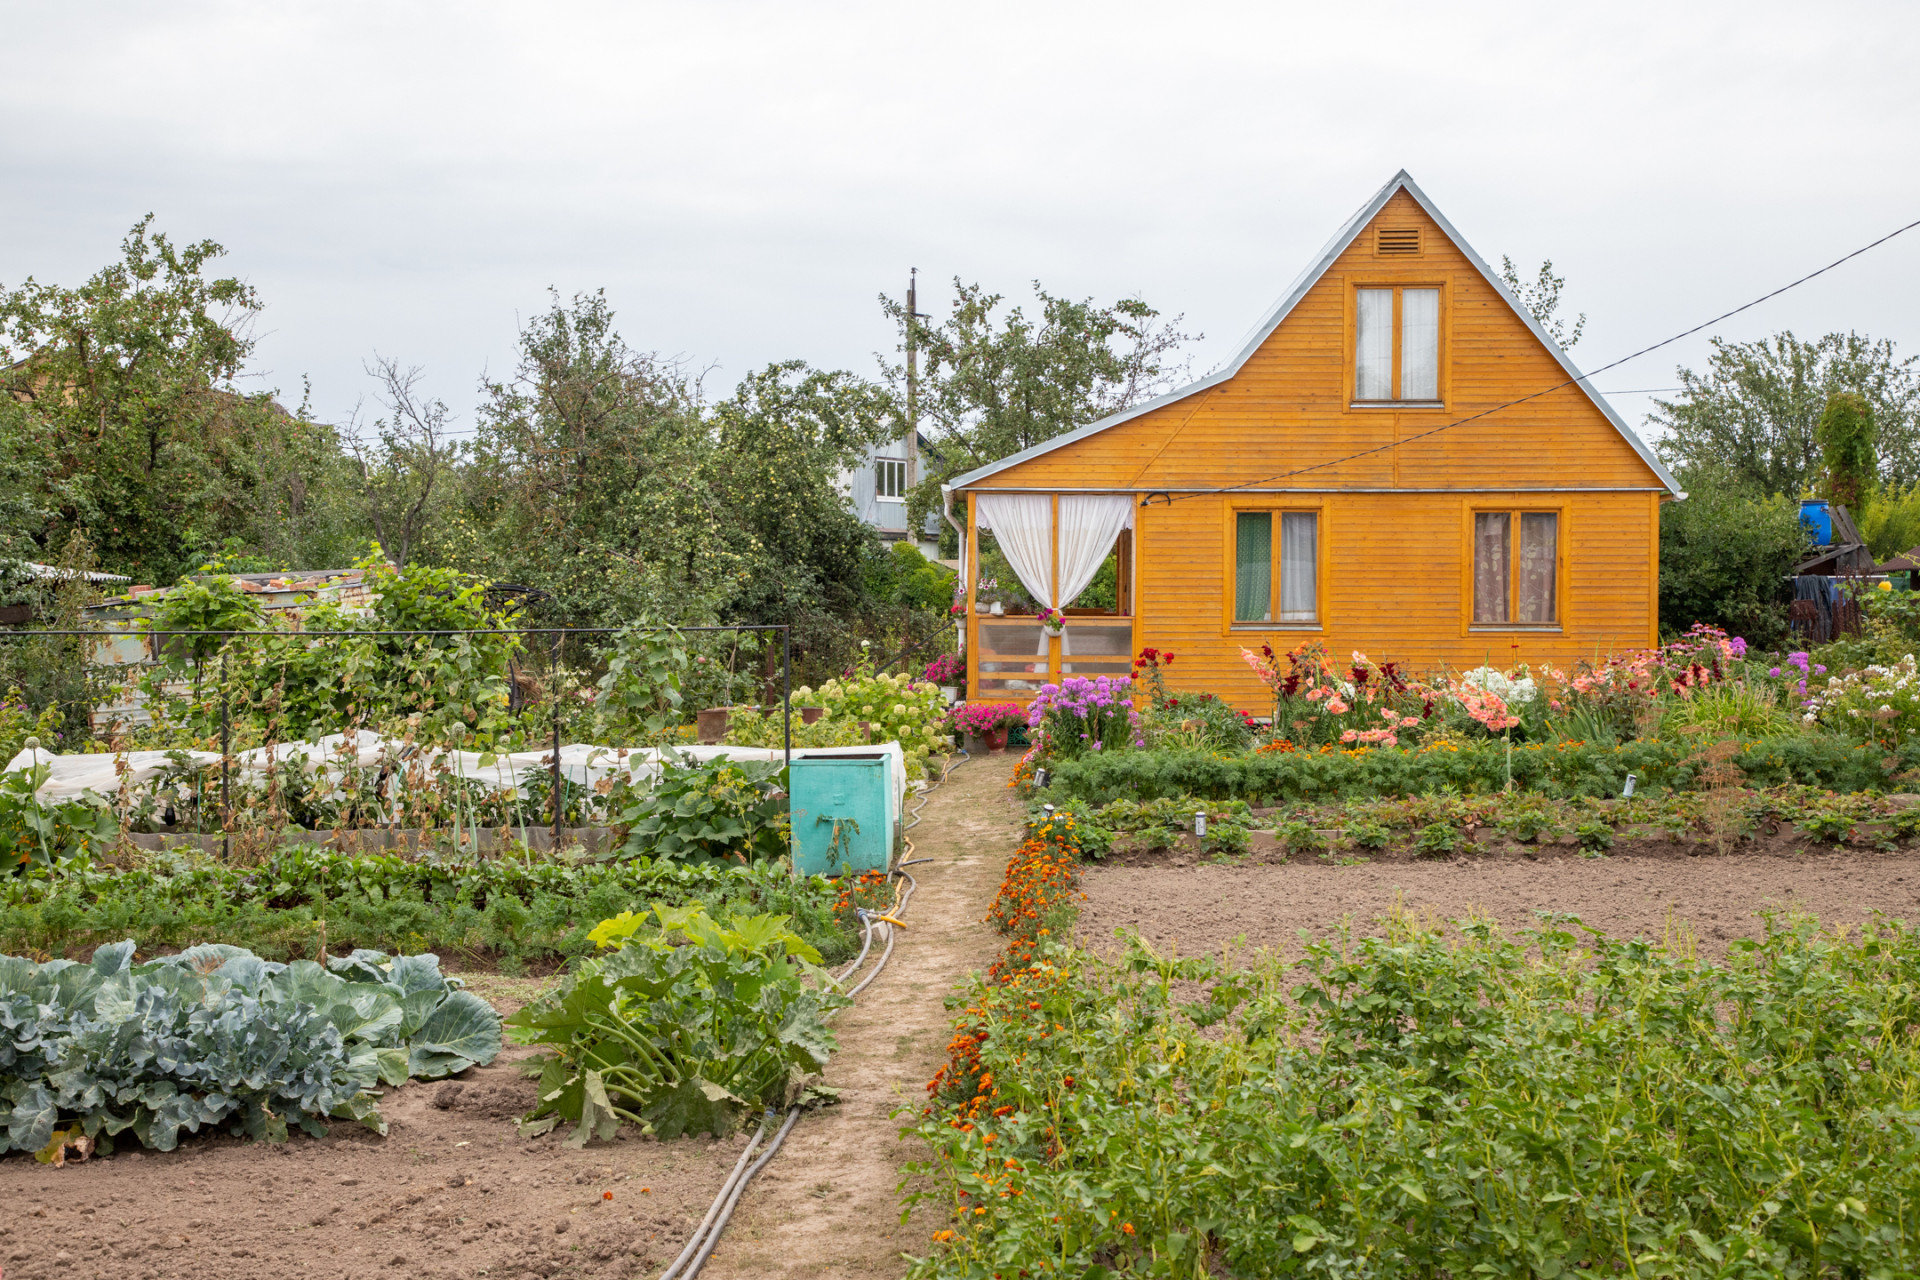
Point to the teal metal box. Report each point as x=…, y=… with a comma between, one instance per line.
x=841, y=814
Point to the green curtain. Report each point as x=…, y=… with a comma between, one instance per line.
x=1253, y=567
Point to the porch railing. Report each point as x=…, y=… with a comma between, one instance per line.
x=1015, y=656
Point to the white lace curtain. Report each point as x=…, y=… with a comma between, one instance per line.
x=1023, y=525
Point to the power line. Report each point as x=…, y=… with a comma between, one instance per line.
x=1460, y=422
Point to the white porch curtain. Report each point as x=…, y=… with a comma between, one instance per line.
x=1022, y=524
x=1088, y=528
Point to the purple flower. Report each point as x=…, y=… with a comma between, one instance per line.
x=1774, y=672
x=1739, y=646
x=1819, y=670
x=1798, y=659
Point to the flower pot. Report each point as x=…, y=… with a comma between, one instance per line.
x=976, y=744
x=983, y=607
x=810, y=714
x=1056, y=631
x=996, y=739
x=997, y=609
x=951, y=693
x=710, y=726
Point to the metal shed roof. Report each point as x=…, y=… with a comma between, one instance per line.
x=1402, y=181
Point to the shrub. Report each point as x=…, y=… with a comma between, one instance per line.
x=1437, y=839
x=1203, y=720
x=897, y=709
x=1877, y=704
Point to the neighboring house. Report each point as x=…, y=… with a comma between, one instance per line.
x=1357, y=475
x=877, y=488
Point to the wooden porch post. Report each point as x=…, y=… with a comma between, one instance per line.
x=972, y=568
x=1055, y=643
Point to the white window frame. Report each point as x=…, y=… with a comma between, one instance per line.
x=883, y=470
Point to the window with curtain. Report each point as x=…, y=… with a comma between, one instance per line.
x=1396, y=344
x=890, y=478
x=1276, y=571
x=1516, y=568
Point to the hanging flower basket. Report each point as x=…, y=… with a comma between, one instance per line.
x=1053, y=620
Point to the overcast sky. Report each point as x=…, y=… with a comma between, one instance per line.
x=744, y=179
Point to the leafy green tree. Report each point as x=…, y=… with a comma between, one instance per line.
x=780, y=445
x=1541, y=296
x=123, y=404
x=993, y=385
x=1725, y=553
x=588, y=480
x=1753, y=415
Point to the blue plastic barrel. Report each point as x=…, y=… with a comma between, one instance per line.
x=840, y=814
x=1818, y=521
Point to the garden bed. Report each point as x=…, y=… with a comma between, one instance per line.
x=1653, y=889
x=451, y=1191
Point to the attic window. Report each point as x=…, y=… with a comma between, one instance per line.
x=1397, y=242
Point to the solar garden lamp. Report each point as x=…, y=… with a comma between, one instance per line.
x=1627, y=792
x=1200, y=823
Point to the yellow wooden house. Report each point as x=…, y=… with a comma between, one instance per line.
x=1400, y=461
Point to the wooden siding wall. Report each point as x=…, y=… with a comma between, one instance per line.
x=1394, y=557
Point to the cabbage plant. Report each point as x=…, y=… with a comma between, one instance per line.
x=217, y=1036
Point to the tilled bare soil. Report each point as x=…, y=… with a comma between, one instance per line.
x=1655, y=891
x=451, y=1191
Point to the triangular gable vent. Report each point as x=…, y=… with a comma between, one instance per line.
x=1397, y=242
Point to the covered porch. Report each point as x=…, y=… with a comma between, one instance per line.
x=1071, y=552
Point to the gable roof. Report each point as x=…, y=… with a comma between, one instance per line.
x=1305, y=281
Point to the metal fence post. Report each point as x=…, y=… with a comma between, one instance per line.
x=553, y=679
x=226, y=766
x=786, y=695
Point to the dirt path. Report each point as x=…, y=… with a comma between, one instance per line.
x=827, y=1205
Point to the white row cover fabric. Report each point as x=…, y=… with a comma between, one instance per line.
x=584, y=764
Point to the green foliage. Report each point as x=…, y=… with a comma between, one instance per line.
x=1541, y=296
x=1430, y=1103
x=717, y=808
x=212, y=603
x=1845, y=435
x=123, y=393
x=1753, y=416
x=1201, y=720
x=1366, y=833
x=42, y=833
x=215, y=1036
x=1733, y=708
x=1564, y=768
x=1724, y=558
x=509, y=910
x=1437, y=839
x=686, y=1026
x=1888, y=517
x=747, y=727
x=1594, y=836
x=1301, y=837
x=1833, y=828
x=639, y=696
x=896, y=708
x=1223, y=838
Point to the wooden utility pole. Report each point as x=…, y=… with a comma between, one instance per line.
x=913, y=389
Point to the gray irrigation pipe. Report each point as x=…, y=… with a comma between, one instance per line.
x=735, y=1186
